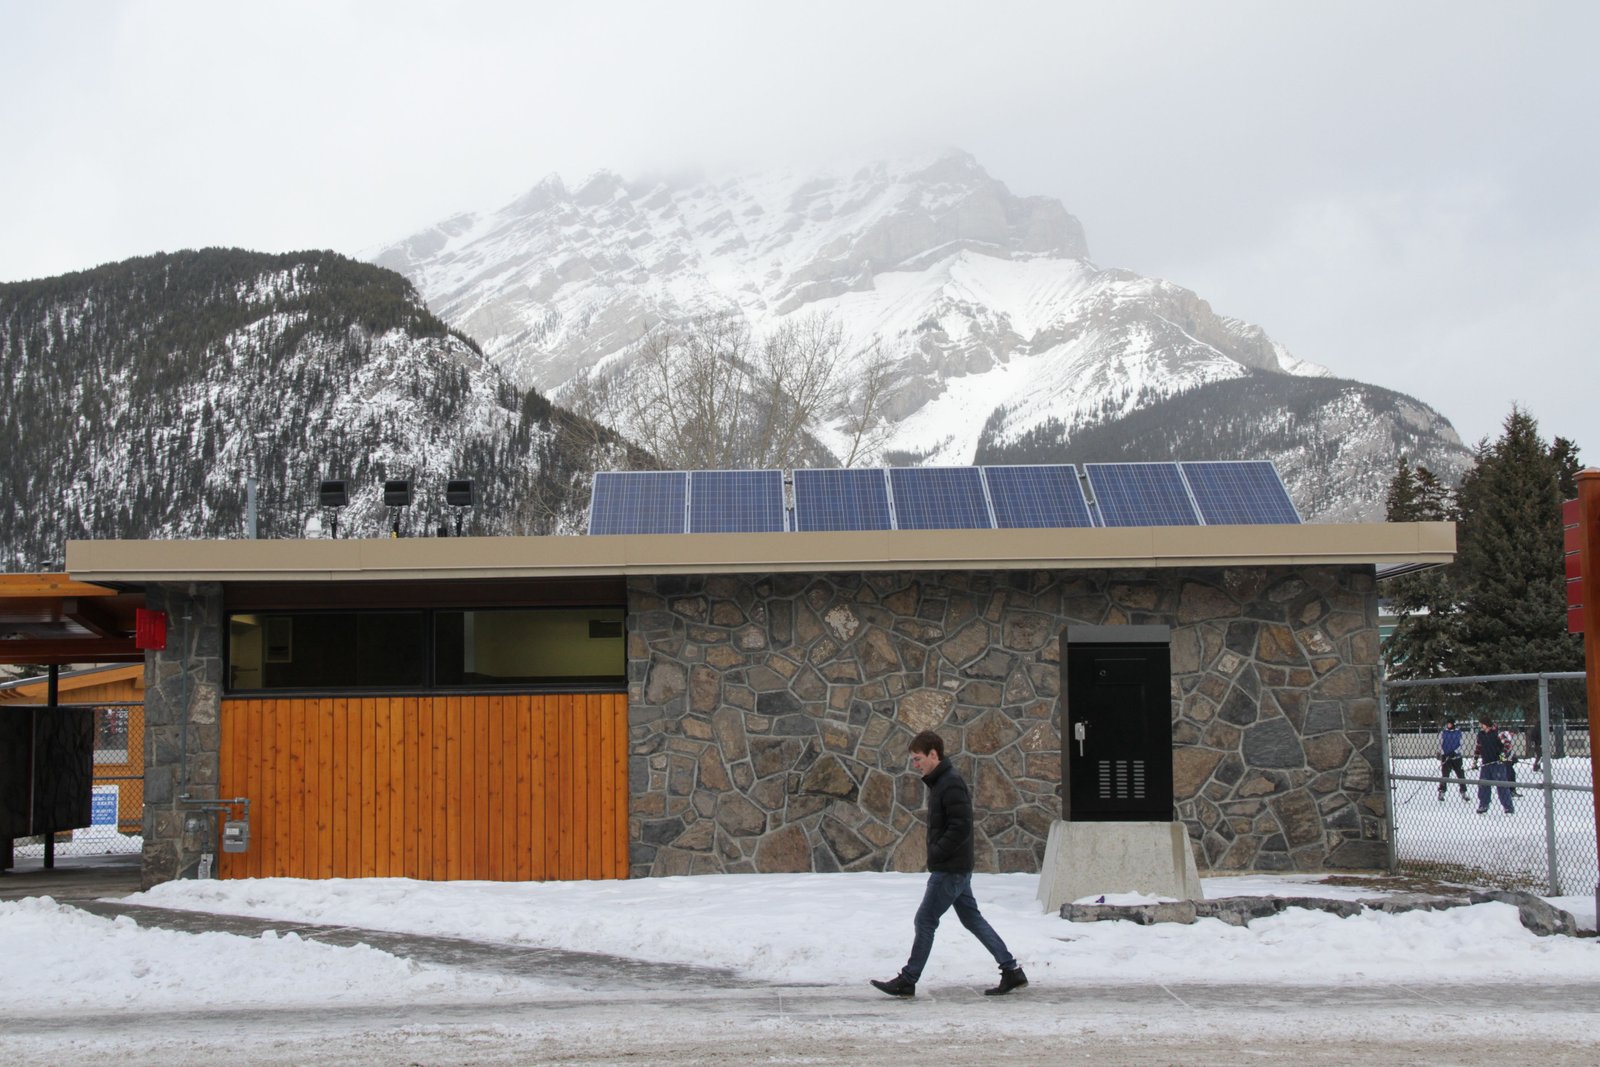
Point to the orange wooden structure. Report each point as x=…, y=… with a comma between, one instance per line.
x=506, y=787
x=104, y=685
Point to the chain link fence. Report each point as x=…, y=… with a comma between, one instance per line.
x=1449, y=820
x=117, y=802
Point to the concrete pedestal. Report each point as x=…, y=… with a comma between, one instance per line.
x=1093, y=858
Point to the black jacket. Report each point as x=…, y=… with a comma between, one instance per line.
x=949, y=820
x=1490, y=748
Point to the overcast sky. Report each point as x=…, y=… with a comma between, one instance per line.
x=1403, y=192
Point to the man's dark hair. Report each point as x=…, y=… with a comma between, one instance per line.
x=925, y=742
x=1485, y=721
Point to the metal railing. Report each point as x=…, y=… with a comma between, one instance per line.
x=1535, y=831
x=116, y=806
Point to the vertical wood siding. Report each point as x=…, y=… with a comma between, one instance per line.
x=508, y=787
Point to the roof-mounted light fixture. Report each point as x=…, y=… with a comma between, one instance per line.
x=458, y=494
x=396, y=495
x=334, y=493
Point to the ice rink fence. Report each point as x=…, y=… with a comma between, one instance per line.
x=1546, y=844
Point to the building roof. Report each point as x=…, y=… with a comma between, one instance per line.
x=1384, y=545
x=32, y=690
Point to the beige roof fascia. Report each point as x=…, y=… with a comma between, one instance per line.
x=424, y=558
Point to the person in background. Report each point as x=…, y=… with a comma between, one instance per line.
x=1508, y=743
x=1450, y=758
x=950, y=863
x=1535, y=738
x=1489, y=760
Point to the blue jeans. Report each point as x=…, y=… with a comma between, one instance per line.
x=946, y=890
x=1498, y=772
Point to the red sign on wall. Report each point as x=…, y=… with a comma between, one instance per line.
x=1571, y=539
x=149, y=629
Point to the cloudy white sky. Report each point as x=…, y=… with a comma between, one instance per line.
x=1404, y=192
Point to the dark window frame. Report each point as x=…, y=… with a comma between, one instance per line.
x=429, y=686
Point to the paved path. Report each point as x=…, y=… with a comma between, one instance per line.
x=583, y=969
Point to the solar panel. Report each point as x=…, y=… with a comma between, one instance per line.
x=841, y=499
x=1243, y=492
x=1141, y=494
x=736, y=502
x=1034, y=497
x=635, y=502
x=939, y=498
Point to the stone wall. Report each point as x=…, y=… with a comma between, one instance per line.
x=769, y=715
x=182, y=735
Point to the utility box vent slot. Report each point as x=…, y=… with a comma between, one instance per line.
x=1122, y=779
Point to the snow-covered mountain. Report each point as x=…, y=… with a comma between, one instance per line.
x=996, y=322
x=140, y=396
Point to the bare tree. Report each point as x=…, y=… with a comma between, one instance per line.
x=707, y=395
x=574, y=445
x=865, y=426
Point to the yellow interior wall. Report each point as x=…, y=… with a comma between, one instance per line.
x=520, y=644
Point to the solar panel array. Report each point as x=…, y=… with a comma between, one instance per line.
x=736, y=502
x=635, y=502
x=1041, y=496
x=940, y=498
x=854, y=498
x=1242, y=493
x=1037, y=496
x=1141, y=494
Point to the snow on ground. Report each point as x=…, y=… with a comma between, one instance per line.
x=831, y=929
x=61, y=959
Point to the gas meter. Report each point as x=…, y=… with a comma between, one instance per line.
x=236, y=835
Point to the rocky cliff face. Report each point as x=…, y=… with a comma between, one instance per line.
x=560, y=279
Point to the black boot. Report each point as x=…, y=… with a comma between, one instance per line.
x=1009, y=980
x=896, y=986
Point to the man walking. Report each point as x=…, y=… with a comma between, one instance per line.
x=1491, y=765
x=949, y=873
x=1450, y=758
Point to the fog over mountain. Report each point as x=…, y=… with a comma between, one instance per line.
x=1003, y=335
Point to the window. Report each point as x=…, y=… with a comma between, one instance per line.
x=327, y=650
x=421, y=649
x=529, y=646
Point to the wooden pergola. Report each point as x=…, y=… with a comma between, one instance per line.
x=49, y=619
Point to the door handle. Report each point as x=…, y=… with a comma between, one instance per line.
x=1079, y=731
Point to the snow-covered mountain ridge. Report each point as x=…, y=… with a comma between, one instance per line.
x=142, y=394
x=995, y=320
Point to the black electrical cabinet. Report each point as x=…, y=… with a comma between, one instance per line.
x=46, y=769
x=1116, y=741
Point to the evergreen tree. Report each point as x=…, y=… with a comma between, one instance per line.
x=1568, y=466
x=1401, y=503
x=1425, y=638
x=1509, y=558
